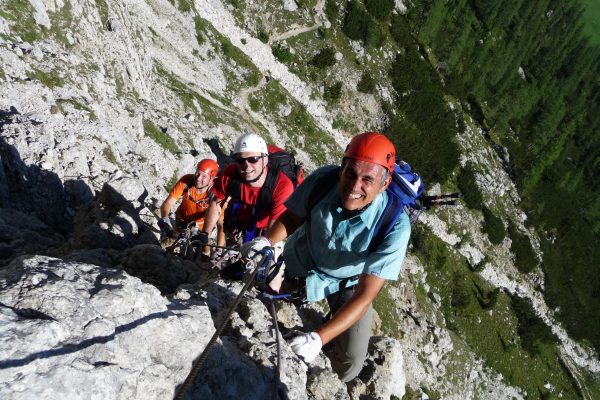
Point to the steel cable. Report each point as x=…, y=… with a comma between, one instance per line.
x=202, y=358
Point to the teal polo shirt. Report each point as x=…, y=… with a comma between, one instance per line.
x=331, y=246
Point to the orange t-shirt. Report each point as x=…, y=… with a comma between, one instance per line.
x=193, y=204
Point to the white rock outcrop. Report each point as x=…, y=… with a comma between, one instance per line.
x=74, y=330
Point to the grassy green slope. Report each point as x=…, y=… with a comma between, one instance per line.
x=591, y=19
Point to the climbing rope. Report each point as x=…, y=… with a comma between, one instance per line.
x=267, y=256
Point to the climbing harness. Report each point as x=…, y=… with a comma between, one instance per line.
x=184, y=244
x=259, y=263
x=188, y=248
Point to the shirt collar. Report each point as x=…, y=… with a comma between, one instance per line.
x=371, y=215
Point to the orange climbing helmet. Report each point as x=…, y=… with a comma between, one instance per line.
x=372, y=147
x=208, y=166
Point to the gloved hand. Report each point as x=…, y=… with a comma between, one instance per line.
x=307, y=346
x=166, y=229
x=201, y=238
x=254, y=246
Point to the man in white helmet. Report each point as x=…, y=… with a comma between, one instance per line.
x=255, y=193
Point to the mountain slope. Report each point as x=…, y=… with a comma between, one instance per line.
x=98, y=91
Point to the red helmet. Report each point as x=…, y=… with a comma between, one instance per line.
x=372, y=147
x=208, y=166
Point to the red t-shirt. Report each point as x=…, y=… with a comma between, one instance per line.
x=249, y=195
x=194, y=204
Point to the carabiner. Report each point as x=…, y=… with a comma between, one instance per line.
x=262, y=272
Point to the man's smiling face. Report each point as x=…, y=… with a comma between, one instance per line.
x=360, y=183
x=250, y=164
x=203, y=181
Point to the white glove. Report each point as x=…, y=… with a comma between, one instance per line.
x=307, y=346
x=254, y=246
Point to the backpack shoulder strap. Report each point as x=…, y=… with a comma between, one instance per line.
x=386, y=222
x=264, y=200
x=210, y=194
x=324, y=181
x=265, y=194
x=189, y=182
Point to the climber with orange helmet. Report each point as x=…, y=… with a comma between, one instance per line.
x=330, y=254
x=194, y=190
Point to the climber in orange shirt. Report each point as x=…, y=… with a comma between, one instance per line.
x=195, y=193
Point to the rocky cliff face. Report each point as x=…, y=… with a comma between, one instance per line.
x=114, y=316
x=102, y=104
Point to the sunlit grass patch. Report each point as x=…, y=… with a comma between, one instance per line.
x=388, y=313
x=295, y=121
x=20, y=16
x=162, y=138
x=50, y=79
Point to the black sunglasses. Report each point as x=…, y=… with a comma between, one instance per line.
x=251, y=160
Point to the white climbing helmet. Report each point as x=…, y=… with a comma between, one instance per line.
x=250, y=143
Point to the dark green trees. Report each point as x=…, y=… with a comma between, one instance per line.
x=532, y=78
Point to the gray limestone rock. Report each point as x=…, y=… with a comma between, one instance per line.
x=73, y=330
x=74, y=122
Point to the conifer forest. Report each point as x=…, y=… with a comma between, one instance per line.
x=530, y=75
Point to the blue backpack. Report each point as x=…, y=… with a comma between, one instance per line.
x=403, y=196
x=408, y=187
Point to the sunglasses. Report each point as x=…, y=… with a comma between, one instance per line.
x=251, y=160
